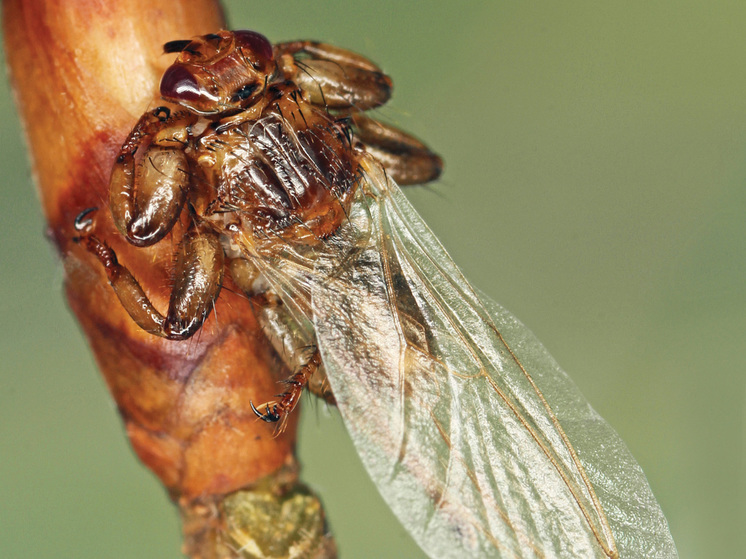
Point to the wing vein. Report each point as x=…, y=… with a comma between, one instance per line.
x=462, y=288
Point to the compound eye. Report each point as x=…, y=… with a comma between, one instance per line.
x=256, y=42
x=179, y=84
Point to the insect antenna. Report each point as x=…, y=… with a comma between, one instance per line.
x=177, y=46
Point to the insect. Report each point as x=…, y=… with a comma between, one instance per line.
x=266, y=159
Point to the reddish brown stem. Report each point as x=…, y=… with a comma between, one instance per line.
x=185, y=404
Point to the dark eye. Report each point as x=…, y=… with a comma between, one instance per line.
x=179, y=83
x=254, y=41
x=245, y=92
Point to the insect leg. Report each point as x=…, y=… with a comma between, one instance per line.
x=289, y=341
x=198, y=277
x=404, y=157
x=129, y=291
x=277, y=410
x=324, y=51
x=334, y=78
x=197, y=282
x=146, y=196
x=278, y=324
x=247, y=277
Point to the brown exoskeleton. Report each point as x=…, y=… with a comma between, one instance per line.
x=255, y=139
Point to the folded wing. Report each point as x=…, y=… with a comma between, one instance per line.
x=478, y=441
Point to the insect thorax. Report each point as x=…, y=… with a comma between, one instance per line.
x=291, y=172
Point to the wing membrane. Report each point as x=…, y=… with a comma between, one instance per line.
x=461, y=417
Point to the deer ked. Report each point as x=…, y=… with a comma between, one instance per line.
x=252, y=138
x=261, y=160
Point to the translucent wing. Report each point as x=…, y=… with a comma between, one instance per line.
x=460, y=415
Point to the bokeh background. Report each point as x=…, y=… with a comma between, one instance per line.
x=596, y=164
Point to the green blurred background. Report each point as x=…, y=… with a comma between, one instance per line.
x=596, y=163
